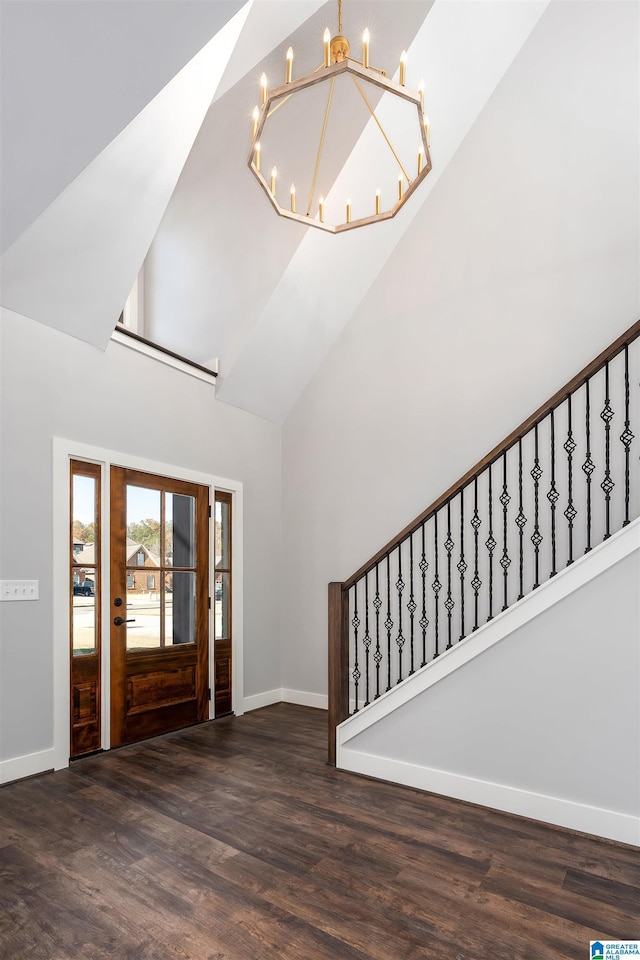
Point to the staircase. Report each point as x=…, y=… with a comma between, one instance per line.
x=528, y=548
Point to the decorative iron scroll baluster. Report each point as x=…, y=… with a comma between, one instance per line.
x=607, y=484
x=436, y=585
x=571, y=512
x=520, y=521
x=355, y=623
x=490, y=544
x=476, y=583
x=536, y=536
x=588, y=466
x=449, y=604
x=377, y=657
x=626, y=437
x=412, y=606
x=388, y=623
x=505, y=499
x=462, y=566
x=400, y=639
x=552, y=497
x=366, y=639
x=424, y=622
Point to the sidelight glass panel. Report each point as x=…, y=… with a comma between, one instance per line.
x=180, y=530
x=222, y=606
x=84, y=626
x=143, y=610
x=180, y=608
x=223, y=510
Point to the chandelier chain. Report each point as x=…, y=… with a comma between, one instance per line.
x=340, y=16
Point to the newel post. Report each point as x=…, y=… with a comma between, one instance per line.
x=338, y=661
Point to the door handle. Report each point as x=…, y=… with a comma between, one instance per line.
x=118, y=621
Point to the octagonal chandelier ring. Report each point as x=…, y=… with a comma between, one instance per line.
x=338, y=63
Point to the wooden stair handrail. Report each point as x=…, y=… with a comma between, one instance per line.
x=612, y=351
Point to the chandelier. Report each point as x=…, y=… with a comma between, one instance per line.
x=392, y=108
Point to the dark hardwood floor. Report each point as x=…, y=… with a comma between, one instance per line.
x=235, y=841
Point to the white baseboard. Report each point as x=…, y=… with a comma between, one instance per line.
x=19, y=767
x=284, y=695
x=563, y=813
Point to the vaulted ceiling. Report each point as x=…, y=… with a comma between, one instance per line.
x=125, y=134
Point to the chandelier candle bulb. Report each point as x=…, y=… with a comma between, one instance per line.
x=421, y=91
x=289, y=64
x=420, y=159
x=256, y=115
x=327, y=48
x=263, y=88
x=349, y=210
x=274, y=174
x=321, y=209
x=365, y=49
x=258, y=148
x=293, y=198
x=403, y=67
x=426, y=131
x=378, y=195
x=400, y=186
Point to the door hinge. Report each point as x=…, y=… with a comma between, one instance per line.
x=209, y=694
x=210, y=514
x=209, y=603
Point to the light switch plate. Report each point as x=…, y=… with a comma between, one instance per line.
x=19, y=589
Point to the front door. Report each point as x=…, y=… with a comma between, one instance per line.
x=159, y=604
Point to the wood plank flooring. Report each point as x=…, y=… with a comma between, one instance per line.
x=234, y=840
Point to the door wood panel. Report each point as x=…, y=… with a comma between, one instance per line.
x=158, y=689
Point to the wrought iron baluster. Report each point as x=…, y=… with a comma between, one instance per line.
x=462, y=565
x=490, y=544
x=355, y=623
x=436, y=585
x=520, y=522
x=476, y=583
x=424, y=622
x=388, y=623
x=449, y=604
x=553, y=496
x=536, y=536
x=607, y=484
x=400, y=639
x=588, y=466
x=367, y=638
x=626, y=437
x=505, y=561
x=571, y=512
x=377, y=657
x=412, y=606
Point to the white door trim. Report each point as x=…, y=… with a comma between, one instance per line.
x=63, y=451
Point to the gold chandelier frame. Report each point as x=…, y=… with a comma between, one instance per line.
x=337, y=62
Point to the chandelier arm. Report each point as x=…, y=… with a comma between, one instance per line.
x=320, y=148
x=373, y=114
x=289, y=95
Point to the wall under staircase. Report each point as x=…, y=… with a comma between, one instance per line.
x=536, y=713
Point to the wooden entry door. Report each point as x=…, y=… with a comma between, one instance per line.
x=159, y=604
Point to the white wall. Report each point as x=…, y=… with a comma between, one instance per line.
x=545, y=723
x=53, y=385
x=521, y=267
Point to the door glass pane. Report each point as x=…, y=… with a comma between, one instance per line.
x=143, y=526
x=143, y=608
x=180, y=530
x=84, y=627
x=222, y=534
x=84, y=518
x=180, y=608
x=222, y=606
